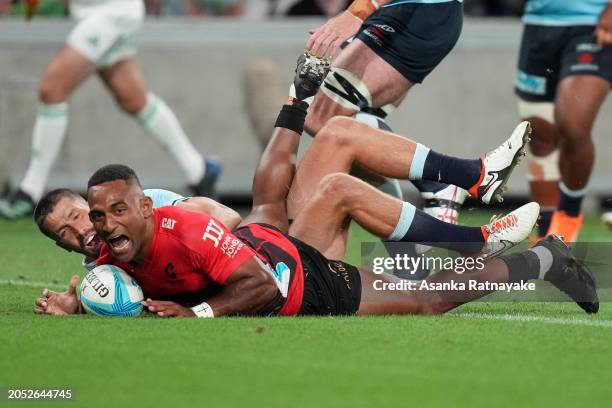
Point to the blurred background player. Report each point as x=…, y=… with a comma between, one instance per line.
x=564, y=76
x=397, y=44
x=100, y=43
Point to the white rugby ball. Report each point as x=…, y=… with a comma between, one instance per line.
x=108, y=290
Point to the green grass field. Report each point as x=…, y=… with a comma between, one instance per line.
x=483, y=354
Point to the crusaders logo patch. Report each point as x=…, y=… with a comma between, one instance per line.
x=585, y=58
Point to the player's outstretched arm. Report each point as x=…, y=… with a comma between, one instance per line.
x=276, y=168
x=273, y=177
x=249, y=290
x=327, y=39
x=60, y=303
x=226, y=215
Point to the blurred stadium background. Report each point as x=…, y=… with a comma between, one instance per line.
x=196, y=54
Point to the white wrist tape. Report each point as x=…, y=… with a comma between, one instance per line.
x=203, y=310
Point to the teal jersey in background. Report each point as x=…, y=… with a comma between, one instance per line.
x=163, y=198
x=563, y=12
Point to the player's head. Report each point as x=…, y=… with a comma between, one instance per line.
x=63, y=216
x=120, y=212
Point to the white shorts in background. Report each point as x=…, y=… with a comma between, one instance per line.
x=102, y=34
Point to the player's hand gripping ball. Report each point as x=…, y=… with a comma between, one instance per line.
x=109, y=291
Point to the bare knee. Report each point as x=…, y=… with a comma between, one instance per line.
x=50, y=93
x=336, y=133
x=130, y=103
x=572, y=136
x=336, y=188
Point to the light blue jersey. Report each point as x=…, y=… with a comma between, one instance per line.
x=563, y=12
x=396, y=2
x=161, y=198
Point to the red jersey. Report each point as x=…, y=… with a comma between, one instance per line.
x=277, y=250
x=192, y=255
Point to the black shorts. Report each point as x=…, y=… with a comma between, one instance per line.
x=413, y=37
x=330, y=287
x=549, y=54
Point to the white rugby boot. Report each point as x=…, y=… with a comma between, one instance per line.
x=503, y=233
x=497, y=165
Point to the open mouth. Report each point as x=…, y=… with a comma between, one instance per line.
x=119, y=243
x=91, y=242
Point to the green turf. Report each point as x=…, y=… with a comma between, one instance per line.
x=461, y=359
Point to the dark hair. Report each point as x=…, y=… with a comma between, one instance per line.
x=47, y=204
x=112, y=172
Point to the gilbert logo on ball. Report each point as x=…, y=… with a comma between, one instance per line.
x=108, y=290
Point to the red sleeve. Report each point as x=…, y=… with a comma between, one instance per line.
x=218, y=252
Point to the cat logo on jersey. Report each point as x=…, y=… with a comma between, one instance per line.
x=168, y=223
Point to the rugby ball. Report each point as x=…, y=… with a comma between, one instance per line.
x=108, y=290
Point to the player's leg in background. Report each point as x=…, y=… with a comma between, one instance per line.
x=542, y=159
x=62, y=76
x=395, y=48
x=344, y=141
x=578, y=101
x=125, y=81
x=376, y=70
x=441, y=200
x=322, y=222
x=536, y=83
x=359, y=79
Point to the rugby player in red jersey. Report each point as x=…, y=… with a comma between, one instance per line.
x=179, y=257
x=62, y=216
x=262, y=270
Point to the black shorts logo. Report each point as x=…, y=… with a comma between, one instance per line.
x=386, y=28
x=339, y=269
x=585, y=58
x=585, y=61
x=375, y=34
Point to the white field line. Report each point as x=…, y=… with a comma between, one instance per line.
x=30, y=284
x=505, y=317
x=539, y=319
